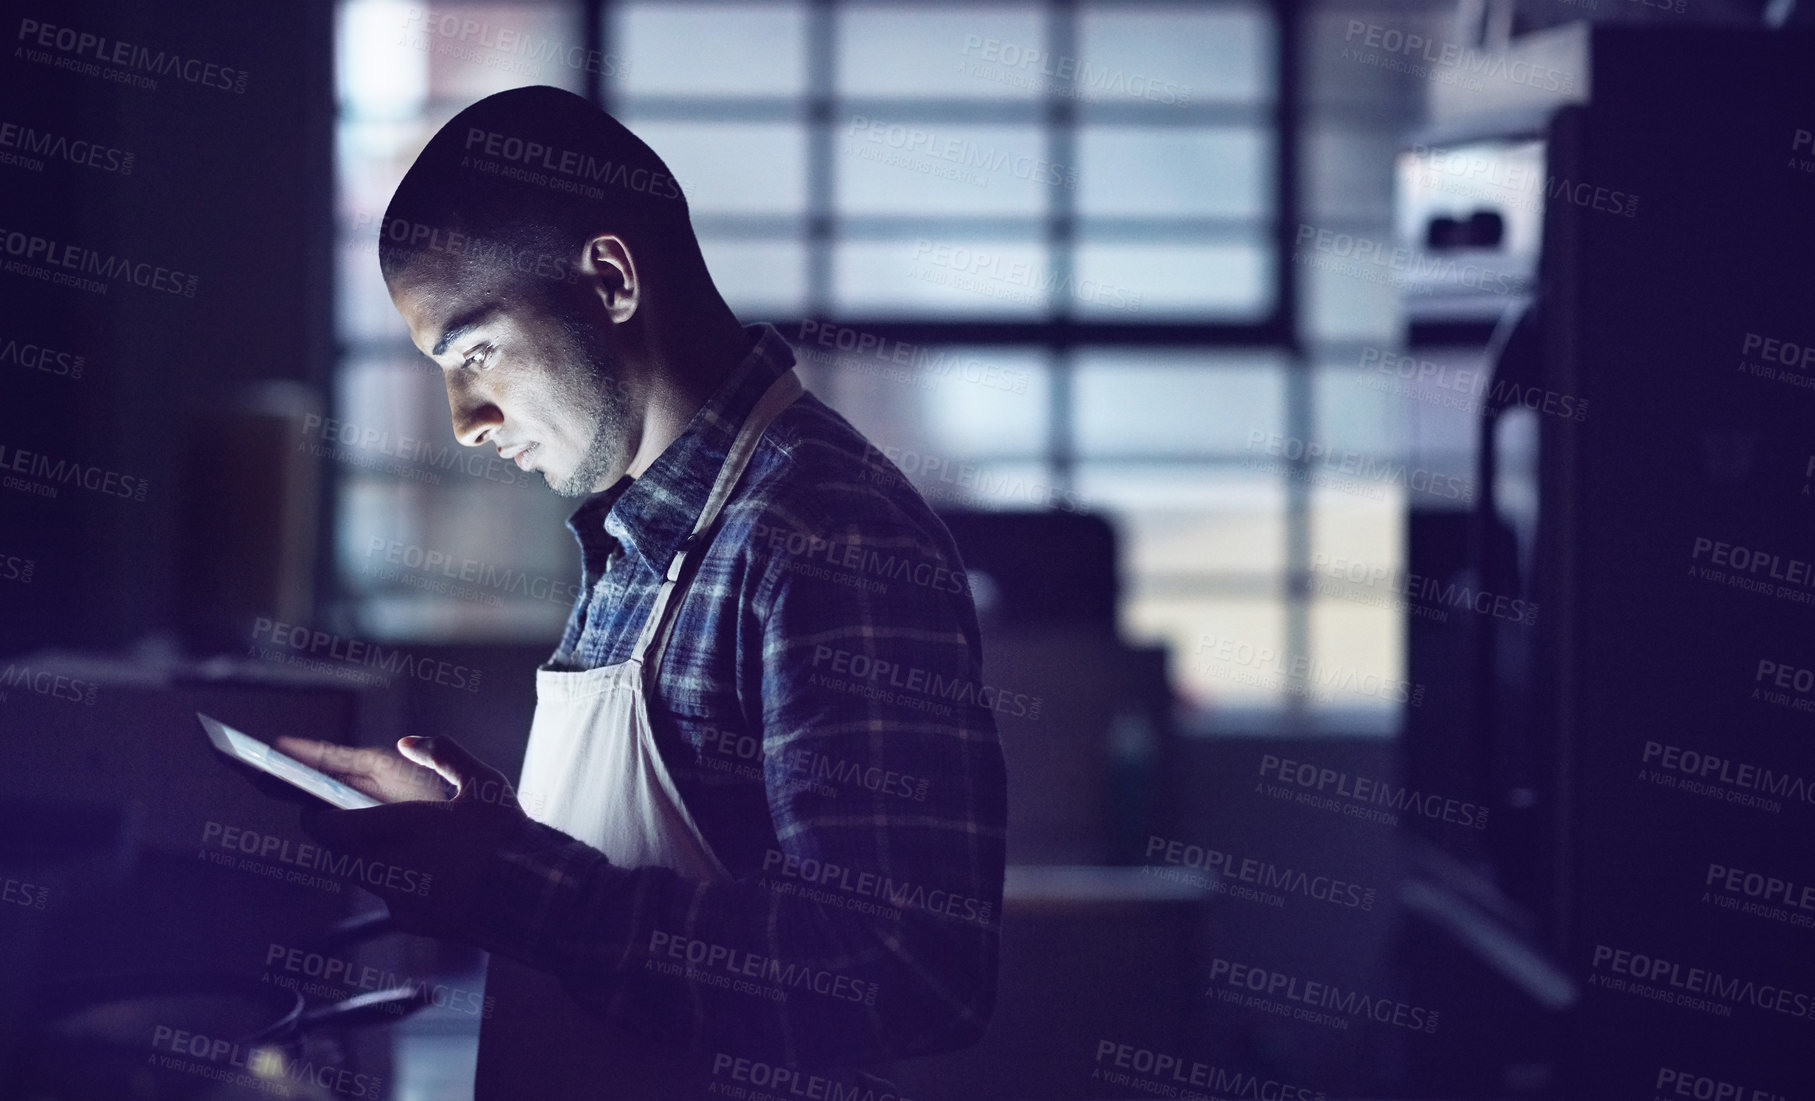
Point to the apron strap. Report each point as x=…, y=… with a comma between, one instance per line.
x=780, y=394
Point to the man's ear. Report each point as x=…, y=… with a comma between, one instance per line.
x=608, y=269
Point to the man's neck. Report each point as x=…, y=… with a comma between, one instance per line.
x=694, y=357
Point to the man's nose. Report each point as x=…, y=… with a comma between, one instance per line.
x=474, y=417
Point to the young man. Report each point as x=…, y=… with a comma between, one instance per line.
x=765, y=797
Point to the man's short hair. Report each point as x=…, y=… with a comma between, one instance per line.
x=522, y=178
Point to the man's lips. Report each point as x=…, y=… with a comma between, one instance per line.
x=518, y=454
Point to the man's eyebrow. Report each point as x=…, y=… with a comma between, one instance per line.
x=462, y=325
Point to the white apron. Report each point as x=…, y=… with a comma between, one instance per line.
x=592, y=771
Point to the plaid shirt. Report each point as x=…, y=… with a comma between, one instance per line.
x=822, y=714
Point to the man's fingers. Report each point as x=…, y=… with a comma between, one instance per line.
x=327, y=756
x=446, y=756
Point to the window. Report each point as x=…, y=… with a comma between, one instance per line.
x=1078, y=217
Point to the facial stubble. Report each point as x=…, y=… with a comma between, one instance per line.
x=589, y=390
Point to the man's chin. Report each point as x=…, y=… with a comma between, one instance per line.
x=593, y=473
x=576, y=484
x=568, y=486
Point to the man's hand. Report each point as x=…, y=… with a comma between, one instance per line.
x=386, y=777
x=425, y=857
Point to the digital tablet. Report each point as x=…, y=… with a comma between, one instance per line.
x=250, y=751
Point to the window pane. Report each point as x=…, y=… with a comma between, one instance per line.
x=1357, y=543
x=1340, y=72
x=952, y=483
x=1419, y=407
x=1357, y=658
x=1123, y=279
x=728, y=167
x=1359, y=603
x=711, y=49
x=376, y=74
x=1347, y=171
x=393, y=57
x=946, y=402
x=371, y=159
x=1151, y=171
x=444, y=545
x=394, y=407
x=363, y=310
x=907, y=166
x=399, y=616
x=941, y=277
x=1171, y=55
x=1356, y=408
x=915, y=52
x=419, y=572
x=989, y=401
x=1183, y=545
x=1174, y=403
x=1190, y=520
x=405, y=541
x=1346, y=300
x=1006, y=59
x=1225, y=653
x=477, y=49
x=391, y=421
x=759, y=279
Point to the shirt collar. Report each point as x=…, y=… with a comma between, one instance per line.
x=656, y=512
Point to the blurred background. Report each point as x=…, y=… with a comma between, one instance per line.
x=1120, y=311
x=1288, y=373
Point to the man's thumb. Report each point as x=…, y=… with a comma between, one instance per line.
x=445, y=756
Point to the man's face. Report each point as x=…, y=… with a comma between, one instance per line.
x=527, y=372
